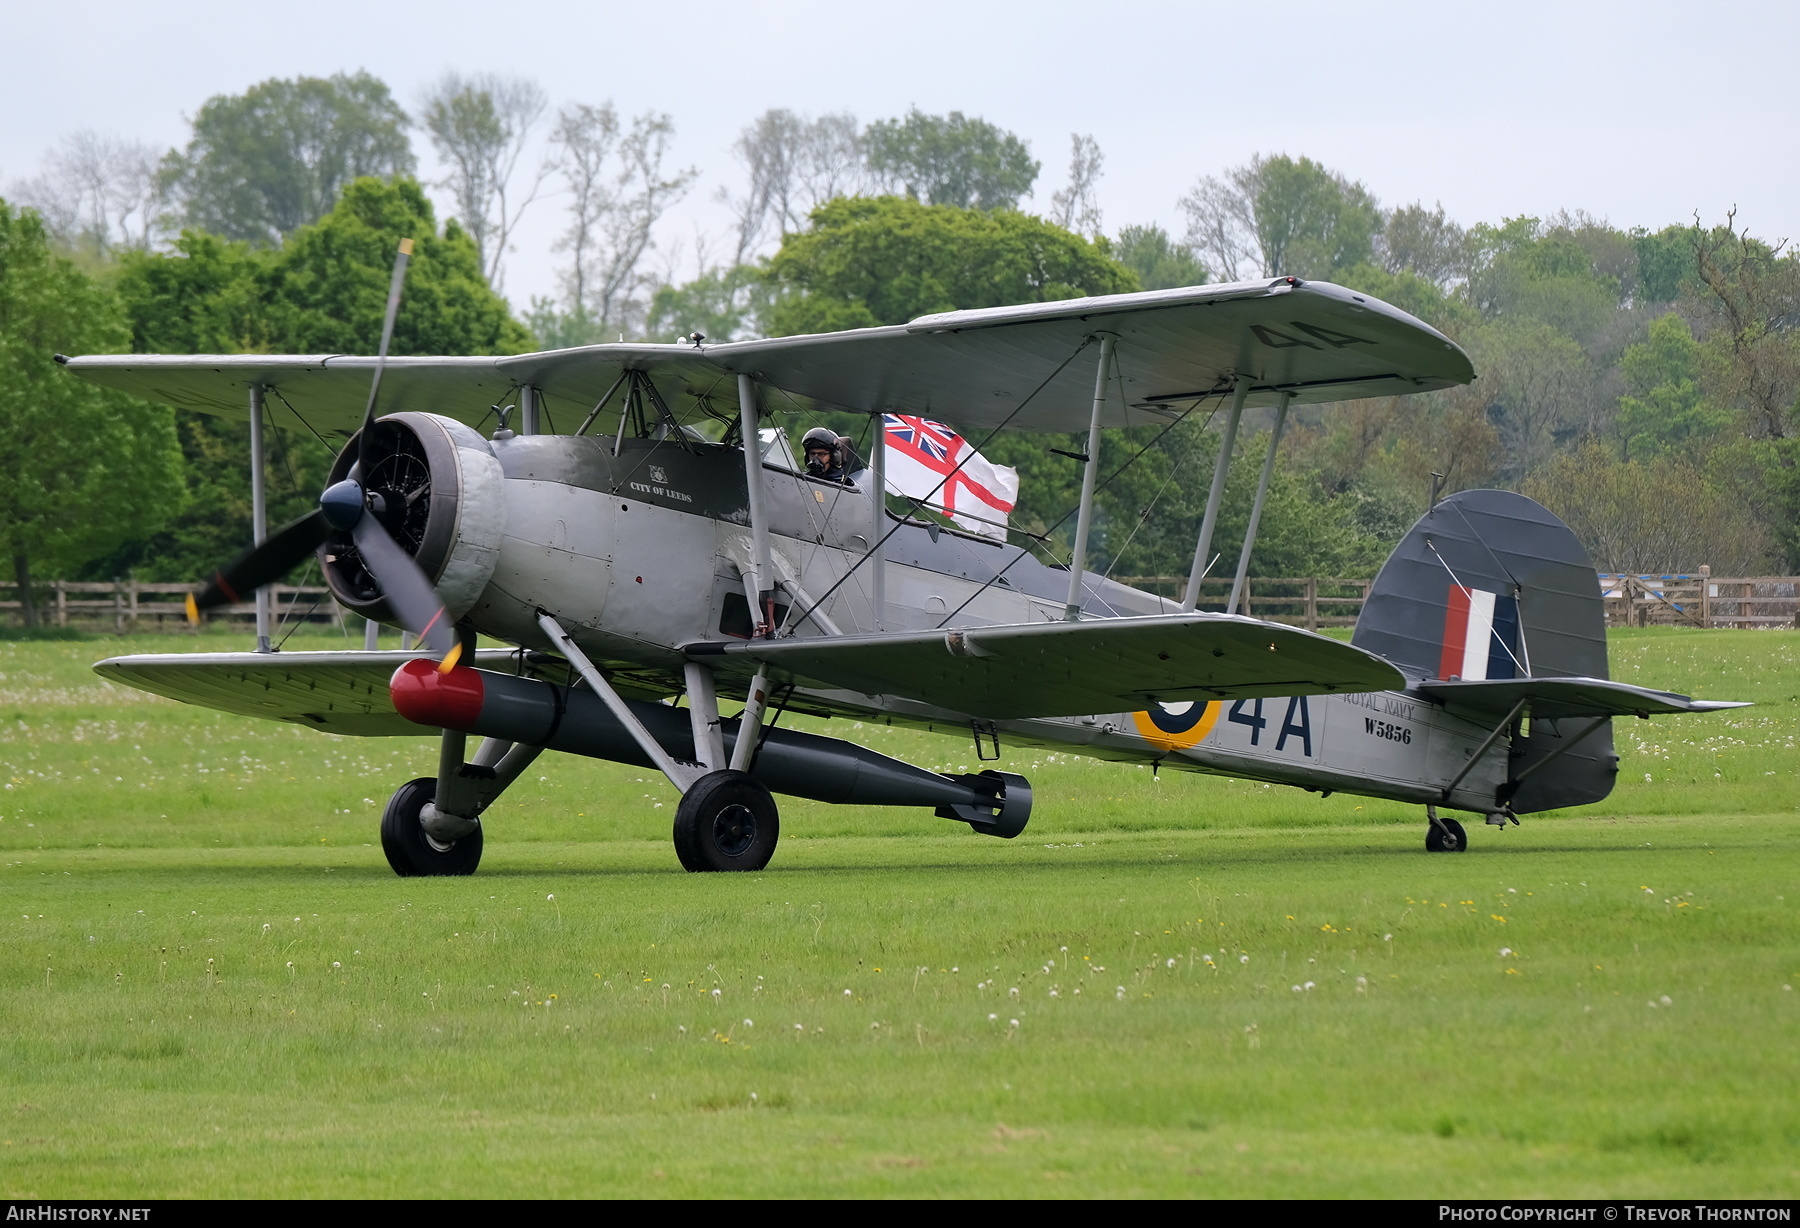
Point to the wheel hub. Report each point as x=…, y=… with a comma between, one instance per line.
x=734, y=829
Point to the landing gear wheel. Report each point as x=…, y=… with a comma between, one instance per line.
x=410, y=850
x=1445, y=836
x=726, y=821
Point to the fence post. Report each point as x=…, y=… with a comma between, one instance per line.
x=118, y=607
x=62, y=605
x=1312, y=603
x=134, y=607
x=1706, y=595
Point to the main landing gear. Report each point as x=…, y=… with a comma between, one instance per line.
x=1444, y=835
x=726, y=821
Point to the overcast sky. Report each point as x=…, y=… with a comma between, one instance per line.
x=1639, y=113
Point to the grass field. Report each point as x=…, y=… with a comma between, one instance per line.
x=1183, y=986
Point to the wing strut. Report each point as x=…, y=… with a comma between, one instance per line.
x=762, y=579
x=1085, y=515
x=1227, y=442
x=259, y=510
x=1256, y=509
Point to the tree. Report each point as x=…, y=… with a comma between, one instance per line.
x=886, y=260
x=1666, y=514
x=722, y=304
x=1747, y=295
x=98, y=194
x=85, y=468
x=1425, y=243
x=481, y=126
x=1547, y=271
x=618, y=191
x=1076, y=208
x=264, y=163
x=324, y=290
x=1540, y=389
x=795, y=164
x=1277, y=215
x=950, y=160
x=1665, y=410
x=1159, y=262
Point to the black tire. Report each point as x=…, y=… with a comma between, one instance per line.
x=1445, y=836
x=411, y=852
x=726, y=821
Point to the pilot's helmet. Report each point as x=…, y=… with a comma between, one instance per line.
x=820, y=437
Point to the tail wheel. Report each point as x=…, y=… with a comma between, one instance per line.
x=410, y=849
x=1445, y=836
x=726, y=821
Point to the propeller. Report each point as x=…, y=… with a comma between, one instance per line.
x=348, y=507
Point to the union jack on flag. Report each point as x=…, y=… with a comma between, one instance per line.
x=930, y=462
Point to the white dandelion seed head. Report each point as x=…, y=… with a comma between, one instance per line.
x=718, y=993
x=1015, y=1023
x=847, y=993
x=748, y=1024
x=1505, y=951
x=1243, y=959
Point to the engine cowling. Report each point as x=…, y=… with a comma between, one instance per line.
x=445, y=503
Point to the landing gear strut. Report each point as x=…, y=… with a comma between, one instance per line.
x=1444, y=835
x=414, y=852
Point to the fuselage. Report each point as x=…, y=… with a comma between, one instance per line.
x=643, y=551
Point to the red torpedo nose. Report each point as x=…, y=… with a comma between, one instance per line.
x=446, y=701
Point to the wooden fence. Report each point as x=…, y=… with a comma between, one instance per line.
x=1700, y=600
x=1311, y=602
x=139, y=605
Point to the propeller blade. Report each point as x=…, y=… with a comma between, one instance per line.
x=281, y=552
x=387, y=335
x=409, y=594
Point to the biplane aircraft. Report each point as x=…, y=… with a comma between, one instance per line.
x=649, y=544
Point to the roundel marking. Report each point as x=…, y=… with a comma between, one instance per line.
x=1176, y=726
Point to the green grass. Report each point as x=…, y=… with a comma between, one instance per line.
x=214, y=985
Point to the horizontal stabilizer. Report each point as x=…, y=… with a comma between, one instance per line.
x=337, y=692
x=1068, y=668
x=1550, y=698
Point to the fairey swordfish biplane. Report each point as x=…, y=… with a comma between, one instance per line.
x=664, y=546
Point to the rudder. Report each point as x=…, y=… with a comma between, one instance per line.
x=1491, y=585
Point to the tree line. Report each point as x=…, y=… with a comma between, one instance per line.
x=1641, y=383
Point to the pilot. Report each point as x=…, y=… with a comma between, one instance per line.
x=828, y=455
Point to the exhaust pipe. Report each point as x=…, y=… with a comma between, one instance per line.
x=535, y=713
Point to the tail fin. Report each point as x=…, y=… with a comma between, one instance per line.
x=1490, y=585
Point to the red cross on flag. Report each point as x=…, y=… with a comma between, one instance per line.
x=921, y=454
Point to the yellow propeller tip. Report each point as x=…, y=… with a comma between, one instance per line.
x=193, y=610
x=450, y=658
x=406, y=246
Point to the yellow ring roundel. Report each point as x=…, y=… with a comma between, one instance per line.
x=1176, y=726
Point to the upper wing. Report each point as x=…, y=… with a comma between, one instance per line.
x=1070, y=669
x=338, y=692
x=972, y=368
x=1550, y=698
